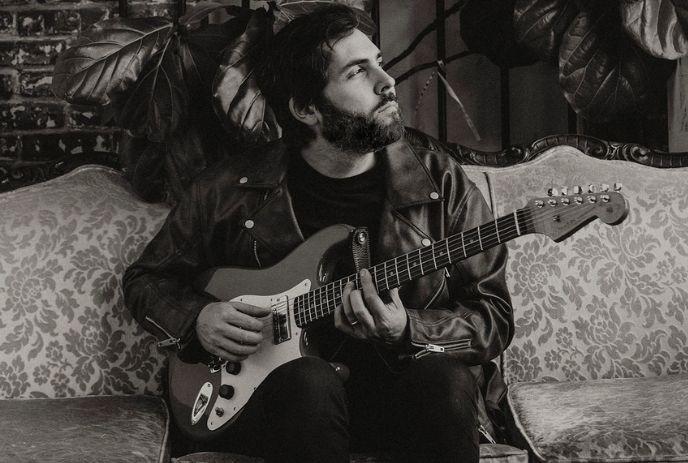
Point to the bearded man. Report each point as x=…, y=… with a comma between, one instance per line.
x=345, y=157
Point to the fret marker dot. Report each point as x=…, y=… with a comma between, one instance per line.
x=426, y=242
x=434, y=195
x=243, y=180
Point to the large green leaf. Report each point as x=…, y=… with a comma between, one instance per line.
x=487, y=28
x=660, y=27
x=288, y=10
x=160, y=99
x=201, y=50
x=238, y=100
x=601, y=72
x=108, y=58
x=540, y=24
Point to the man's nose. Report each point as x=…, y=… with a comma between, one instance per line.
x=385, y=83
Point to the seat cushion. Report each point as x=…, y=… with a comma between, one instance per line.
x=622, y=419
x=492, y=453
x=106, y=429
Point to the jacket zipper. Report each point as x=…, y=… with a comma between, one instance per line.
x=170, y=341
x=255, y=253
x=483, y=431
x=437, y=348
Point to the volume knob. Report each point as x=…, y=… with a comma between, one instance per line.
x=226, y=391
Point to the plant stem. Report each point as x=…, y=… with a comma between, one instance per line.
x=431, y=64
x=429, y=28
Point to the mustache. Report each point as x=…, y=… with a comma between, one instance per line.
x=386, y=98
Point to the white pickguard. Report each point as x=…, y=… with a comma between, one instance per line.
x=260, y=364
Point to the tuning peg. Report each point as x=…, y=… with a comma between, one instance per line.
x=552, y=192
x=564, y=191
x=592, y=188
x=605, y=187
x=577, y=190
x=618, y=186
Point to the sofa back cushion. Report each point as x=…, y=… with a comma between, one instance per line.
x=609, y=301
x=64, y=245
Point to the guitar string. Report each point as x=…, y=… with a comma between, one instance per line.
x=329, y=291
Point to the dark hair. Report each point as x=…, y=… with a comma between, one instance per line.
x=296, y=65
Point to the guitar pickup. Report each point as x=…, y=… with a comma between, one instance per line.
x=281, y=330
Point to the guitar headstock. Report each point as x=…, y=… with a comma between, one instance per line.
x=562, y=213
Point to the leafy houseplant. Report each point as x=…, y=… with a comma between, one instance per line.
x=183, y=90
x=610, y=53
x=153, y=75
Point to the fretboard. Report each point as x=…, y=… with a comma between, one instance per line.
x=392, y=273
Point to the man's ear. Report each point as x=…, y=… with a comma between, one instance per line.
x=307, y=114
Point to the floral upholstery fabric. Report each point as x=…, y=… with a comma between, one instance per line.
x=64, y=330
x=103, y=429
x=619, y=420
x=607, y=302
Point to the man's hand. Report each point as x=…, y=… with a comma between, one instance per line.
x=364, y=315
x=231, y=330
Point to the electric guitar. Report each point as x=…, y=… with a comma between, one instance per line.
x=205, y=397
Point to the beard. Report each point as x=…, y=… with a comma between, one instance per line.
x=359, y=133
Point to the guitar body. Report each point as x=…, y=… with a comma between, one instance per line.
x=197, y=389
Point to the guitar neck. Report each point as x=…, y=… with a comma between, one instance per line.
x=393, y=273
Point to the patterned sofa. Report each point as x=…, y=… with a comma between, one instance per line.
x=596, y=371
x=80, y=381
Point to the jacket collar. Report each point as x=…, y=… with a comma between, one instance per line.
x=408, y=180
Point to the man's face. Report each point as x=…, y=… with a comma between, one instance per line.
x=359, y=112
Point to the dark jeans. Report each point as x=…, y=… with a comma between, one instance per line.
x=303, y=412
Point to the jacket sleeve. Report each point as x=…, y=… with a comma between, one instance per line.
x=158, y=286
x=476, y=324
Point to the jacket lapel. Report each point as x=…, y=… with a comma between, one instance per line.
x=273, y=223
x=409, y=189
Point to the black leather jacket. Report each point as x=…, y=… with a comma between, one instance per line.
x=240, y=214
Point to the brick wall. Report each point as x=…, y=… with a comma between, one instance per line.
x=34, y=125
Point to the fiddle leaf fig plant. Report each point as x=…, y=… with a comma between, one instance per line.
x=155, y=75
x=183, y=90
x=610, y=54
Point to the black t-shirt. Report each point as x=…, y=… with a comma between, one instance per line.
x=320, y=201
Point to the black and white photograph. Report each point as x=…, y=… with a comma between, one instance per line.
x=343, y=231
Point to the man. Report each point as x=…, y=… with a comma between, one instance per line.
x=344, y=158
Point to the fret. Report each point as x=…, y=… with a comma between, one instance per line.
x=396, y=271
x=518, y=230
x=408, y=267
x=463, y=246
x=446, y=242
x=384, y=266
x=308, y=307
x=322, y=303
x=420, y=260
x=331, y=301
x=434, y=260
x=480, y=241
x=297, y=313
x=497, y=229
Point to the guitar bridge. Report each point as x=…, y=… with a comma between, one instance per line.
x=281, y=330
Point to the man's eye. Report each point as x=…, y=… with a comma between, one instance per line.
x=356, y=71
